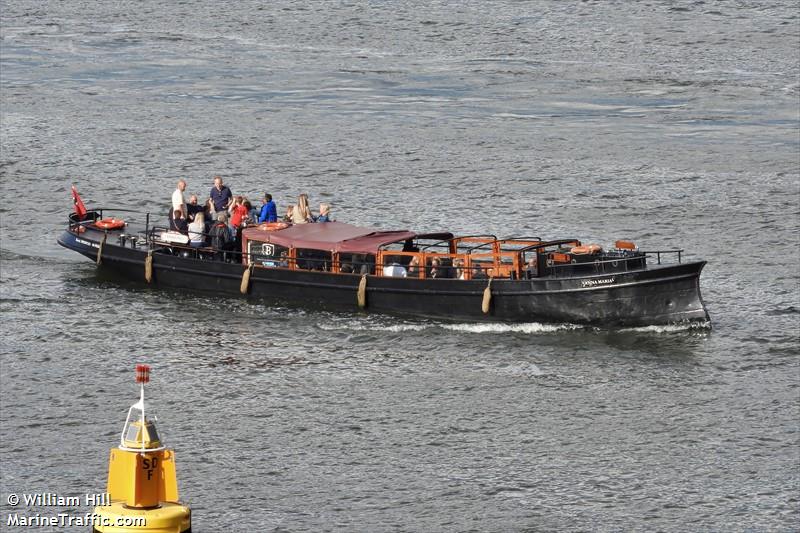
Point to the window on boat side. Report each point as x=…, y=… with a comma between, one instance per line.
x=439, y=267
x=356, y=263
x=309, y=259
x=268, y=254
x=395, y=265
x=530, y=264
x=481, y=269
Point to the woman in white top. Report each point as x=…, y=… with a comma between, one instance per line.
x=301, y=212
x=197, y=230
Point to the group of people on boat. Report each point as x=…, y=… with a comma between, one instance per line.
x=218, y=221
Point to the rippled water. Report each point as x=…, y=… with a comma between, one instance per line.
x=669, y=123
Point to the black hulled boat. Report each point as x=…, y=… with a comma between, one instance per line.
x=438, y=275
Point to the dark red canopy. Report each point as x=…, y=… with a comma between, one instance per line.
x=329, y=236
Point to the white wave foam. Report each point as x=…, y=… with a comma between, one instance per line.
x=530, y=328
x=527, y=328
x=393, y=328
x=672, y=328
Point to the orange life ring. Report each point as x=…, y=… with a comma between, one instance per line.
x=110, y=223
x=272, y=226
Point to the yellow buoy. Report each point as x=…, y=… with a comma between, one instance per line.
x=142, y=483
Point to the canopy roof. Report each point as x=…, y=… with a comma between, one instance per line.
x=329, y=236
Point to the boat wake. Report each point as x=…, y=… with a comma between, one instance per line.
x=527, y=328
x=672, y=328
x=531, y=328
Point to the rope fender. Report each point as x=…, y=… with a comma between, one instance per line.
x=487, y=297
x=246, y=279
x=361, y=296
x=148, y=266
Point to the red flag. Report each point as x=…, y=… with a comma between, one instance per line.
x=80, y=209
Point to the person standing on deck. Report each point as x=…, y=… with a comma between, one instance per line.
x=238, y=212
x=178, y=201
x=269, y=211
x=192, y=208
x=221, y=195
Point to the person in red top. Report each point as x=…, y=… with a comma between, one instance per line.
x=239, y=212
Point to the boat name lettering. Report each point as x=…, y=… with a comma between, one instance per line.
x=87, y=243
x=596, y=282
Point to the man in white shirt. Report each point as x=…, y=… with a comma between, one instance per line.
x=178, y=201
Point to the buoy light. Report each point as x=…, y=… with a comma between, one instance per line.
x=142, y=482
x=142, y=374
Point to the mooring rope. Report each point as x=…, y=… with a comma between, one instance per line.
x=100, y=249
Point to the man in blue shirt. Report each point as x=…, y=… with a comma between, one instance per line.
x=269, y=212
x=221, y=195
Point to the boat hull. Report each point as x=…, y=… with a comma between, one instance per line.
x=656, y=295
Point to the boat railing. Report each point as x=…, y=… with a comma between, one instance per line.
x=507, y=244
x=559, y=243
x=79, y=224
x=518, y=243
x=94, y=214
x=460, y=243
x=659, y=253
x=600, y=265
x=439, y=265
x=452, y=244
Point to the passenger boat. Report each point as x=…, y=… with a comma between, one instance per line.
x=334, y=265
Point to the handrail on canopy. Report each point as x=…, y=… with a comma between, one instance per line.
x=456, y=239
x=574, y=242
